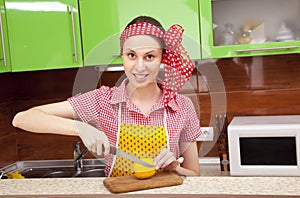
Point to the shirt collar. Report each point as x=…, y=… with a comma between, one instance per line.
x=173, y=104
x=120, y=95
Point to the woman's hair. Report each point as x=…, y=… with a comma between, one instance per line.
x=147, y=19
x=152, y=21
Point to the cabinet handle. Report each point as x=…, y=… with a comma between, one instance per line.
x=266, y=49
x=73, y=33
x=115, y=55
x=2, y=40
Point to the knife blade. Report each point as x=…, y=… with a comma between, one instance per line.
x=115, y=151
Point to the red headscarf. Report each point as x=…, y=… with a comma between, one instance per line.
x=178, y=66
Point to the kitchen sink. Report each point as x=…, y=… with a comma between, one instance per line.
x=57, y=168
x=59, y=174
x=92, y=173
x=86, y=173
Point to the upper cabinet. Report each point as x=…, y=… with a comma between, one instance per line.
x=43, y=34
x=5, y=65
x=103, y=21
x=53, y=34
x=235, y=28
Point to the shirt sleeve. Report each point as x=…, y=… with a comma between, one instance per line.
x=87, y=105
x=191, y=129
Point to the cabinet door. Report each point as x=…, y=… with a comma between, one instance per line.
x=4, y=49
x=103, y=21
x=43, y=34
x=238, y=28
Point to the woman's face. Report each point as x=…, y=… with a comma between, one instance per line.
x=142, y=56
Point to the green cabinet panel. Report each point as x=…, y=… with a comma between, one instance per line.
x=256, y=27
x=5, y=65
x=43, y=34
x=103, y=21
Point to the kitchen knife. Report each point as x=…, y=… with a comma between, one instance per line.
x=115, y=151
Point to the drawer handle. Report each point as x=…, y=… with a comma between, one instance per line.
x=266, y=49
x=2, y=40
x=73, y=33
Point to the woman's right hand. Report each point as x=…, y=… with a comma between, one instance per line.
x=93, y=138
x=58, y=118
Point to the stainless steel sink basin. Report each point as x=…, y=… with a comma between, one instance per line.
x=86, y=173
x=59, y=174
x=92, y=173
x=57, y=168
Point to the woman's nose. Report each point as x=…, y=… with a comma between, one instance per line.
x=140, y=65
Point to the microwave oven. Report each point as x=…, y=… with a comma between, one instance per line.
x=264, y=145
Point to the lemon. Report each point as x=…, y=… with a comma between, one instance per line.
x=143, y=172
x=15, y=175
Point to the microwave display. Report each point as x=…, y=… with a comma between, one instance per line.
x=268, y=151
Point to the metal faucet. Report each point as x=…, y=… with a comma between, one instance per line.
x=78, y=155
x=1, y=174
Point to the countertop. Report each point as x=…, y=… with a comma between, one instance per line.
x=211, y=183
x=204, y=185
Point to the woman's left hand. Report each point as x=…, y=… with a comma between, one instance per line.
x=166, y=160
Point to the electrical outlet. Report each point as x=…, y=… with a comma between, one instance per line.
x=207, y=134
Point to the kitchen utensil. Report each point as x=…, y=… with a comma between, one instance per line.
x=115, y=151
x=221, y=125
x=130, y=183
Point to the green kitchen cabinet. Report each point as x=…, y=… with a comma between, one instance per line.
x=43, y=34
x=5, y=65
x=236, y=28
x=102, y=22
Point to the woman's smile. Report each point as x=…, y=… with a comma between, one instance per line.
x=140, y=77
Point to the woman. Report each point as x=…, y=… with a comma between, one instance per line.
x=143, y=116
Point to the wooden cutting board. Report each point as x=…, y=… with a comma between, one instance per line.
x=130, y=183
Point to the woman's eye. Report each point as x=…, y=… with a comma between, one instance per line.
x=149, y=57
x=131, y=55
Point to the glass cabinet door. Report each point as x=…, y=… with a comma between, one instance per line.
x=233, y=28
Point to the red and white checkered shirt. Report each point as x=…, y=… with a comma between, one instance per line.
x=100, y=109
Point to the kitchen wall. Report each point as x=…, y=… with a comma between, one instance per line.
x=266, y=85
x=7, y=132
